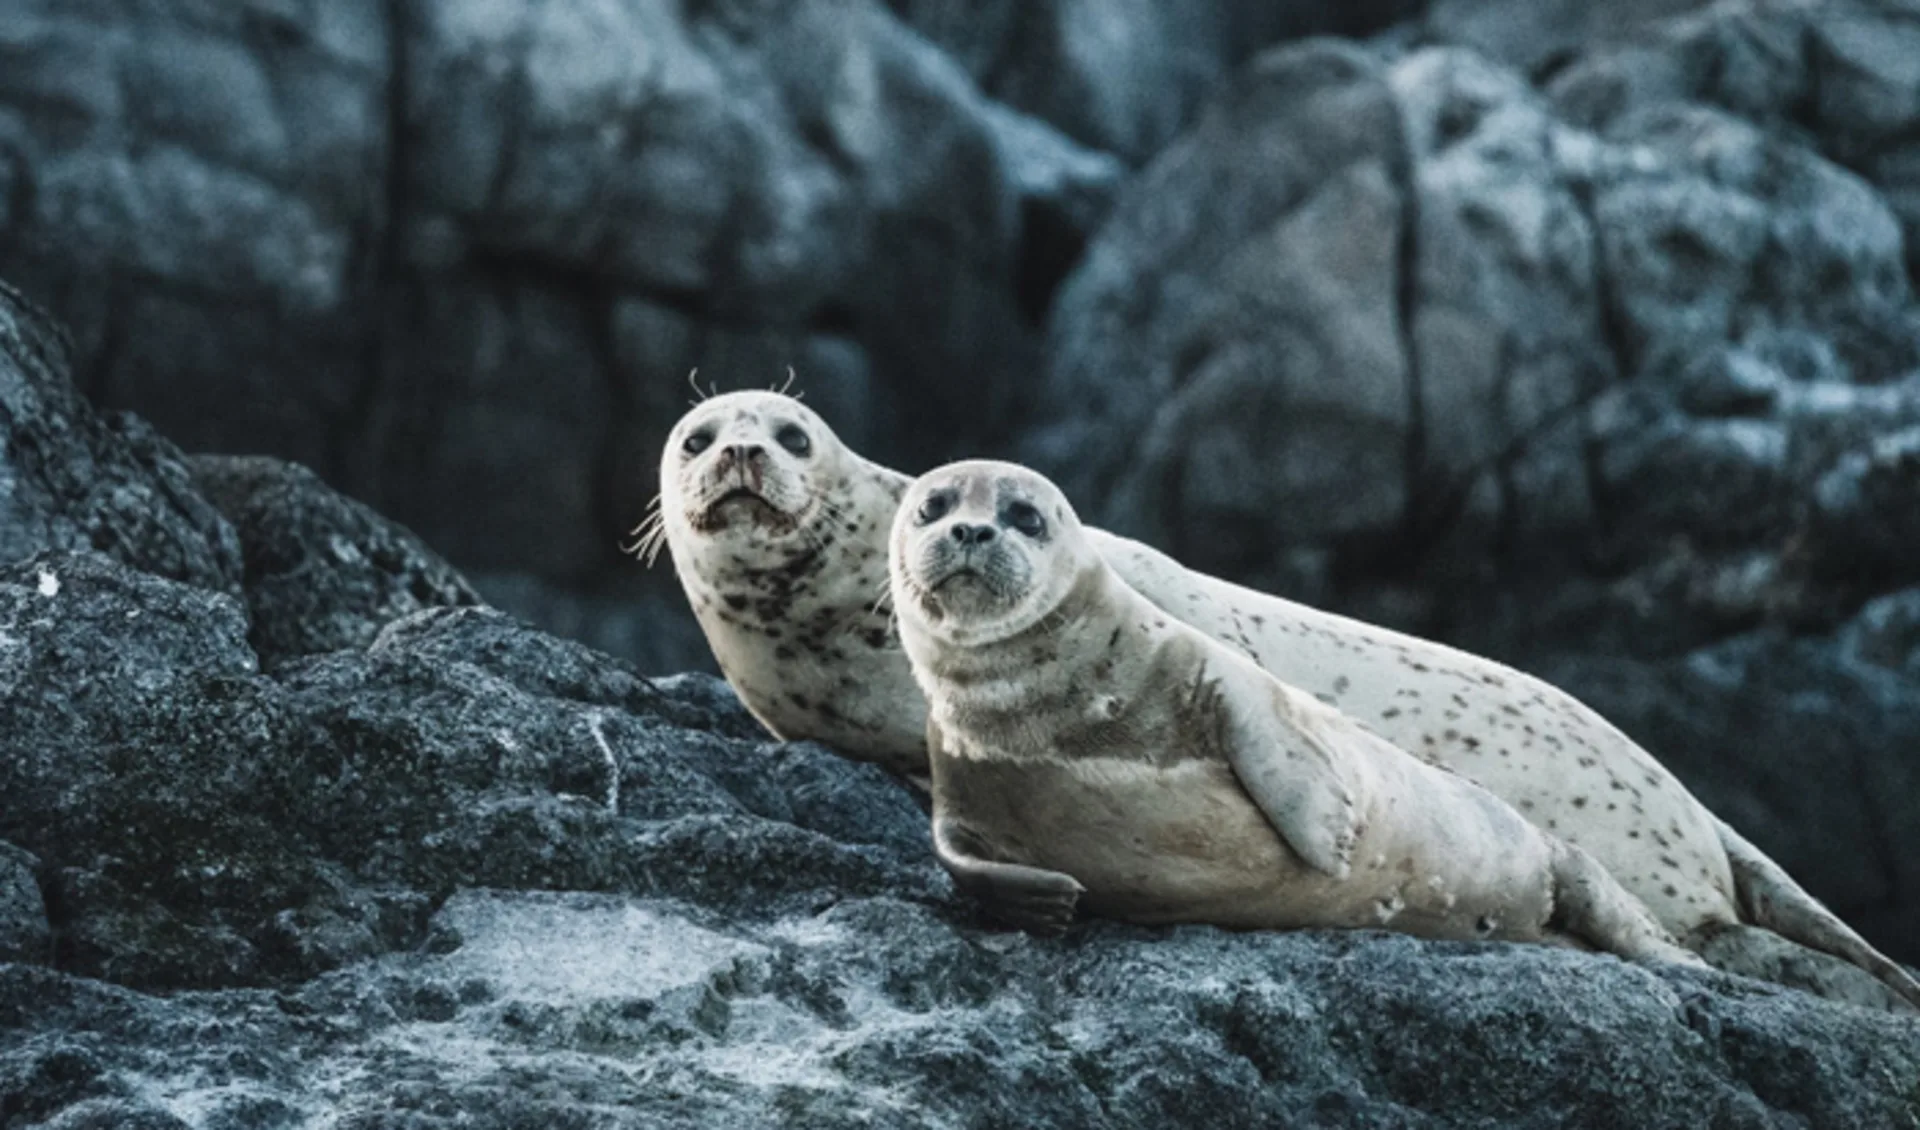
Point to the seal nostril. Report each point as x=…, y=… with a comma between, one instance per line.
x=972, y=535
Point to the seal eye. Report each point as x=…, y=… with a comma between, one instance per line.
x=934, y=508
x=697, y=442
x=793, y=438
x=1023, y=517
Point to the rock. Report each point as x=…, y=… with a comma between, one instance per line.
x=24, y=935
x=1497, y=272
x=207, y=825
x=1531, y=35
x=530, y=1008
x=196, y=193
x=1867, y=509
x=323, y=572
x=1243, y=286
x=441, y=251
x=74, y=481
x=1123, y=76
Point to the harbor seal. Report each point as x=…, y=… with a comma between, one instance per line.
x=754, y=584
x=1087, y=747
x=778, y=536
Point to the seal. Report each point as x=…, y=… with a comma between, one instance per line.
x=1087, y=748
x=769, y=597
x=778, y=536
x=1555, y=760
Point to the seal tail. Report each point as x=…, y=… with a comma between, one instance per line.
x=1769, y=898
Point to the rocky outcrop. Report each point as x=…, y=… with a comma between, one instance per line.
x=73, y=480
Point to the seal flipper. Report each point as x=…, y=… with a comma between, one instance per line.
x=1590, y=904
x=1030, y=898
x=1768, y=897
x=1294, y=771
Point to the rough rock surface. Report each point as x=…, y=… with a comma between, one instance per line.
x=322, y=572
x=24, y=934
x=71, y=480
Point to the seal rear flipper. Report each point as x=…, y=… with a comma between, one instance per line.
x=1296, y=772
x=1768, y=897
x=1590, y=904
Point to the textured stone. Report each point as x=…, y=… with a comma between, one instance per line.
x=72, y=480
x=24, y=932
x=322, y=571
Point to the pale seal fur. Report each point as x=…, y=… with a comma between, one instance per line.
x=759, y=585
x=1084, y=743
x=778, y=534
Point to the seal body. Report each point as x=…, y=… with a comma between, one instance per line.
x=1078, y=730
x=1533, y=745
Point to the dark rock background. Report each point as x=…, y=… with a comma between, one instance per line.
x=1581, y=335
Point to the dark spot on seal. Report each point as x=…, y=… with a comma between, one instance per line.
x=1670, y=891
x=735, y=601
x=784, y=652
x=1579, y=802
x=1341, y=684
x=1390, y=712
x=799, y=700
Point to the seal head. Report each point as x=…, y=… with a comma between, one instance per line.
x=986, y=551
x=746, y=469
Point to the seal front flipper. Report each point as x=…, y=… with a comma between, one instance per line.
x=1030, y=898
x=1294, y=770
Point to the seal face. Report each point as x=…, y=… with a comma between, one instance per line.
x=1085, y=746
x=777, y=534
